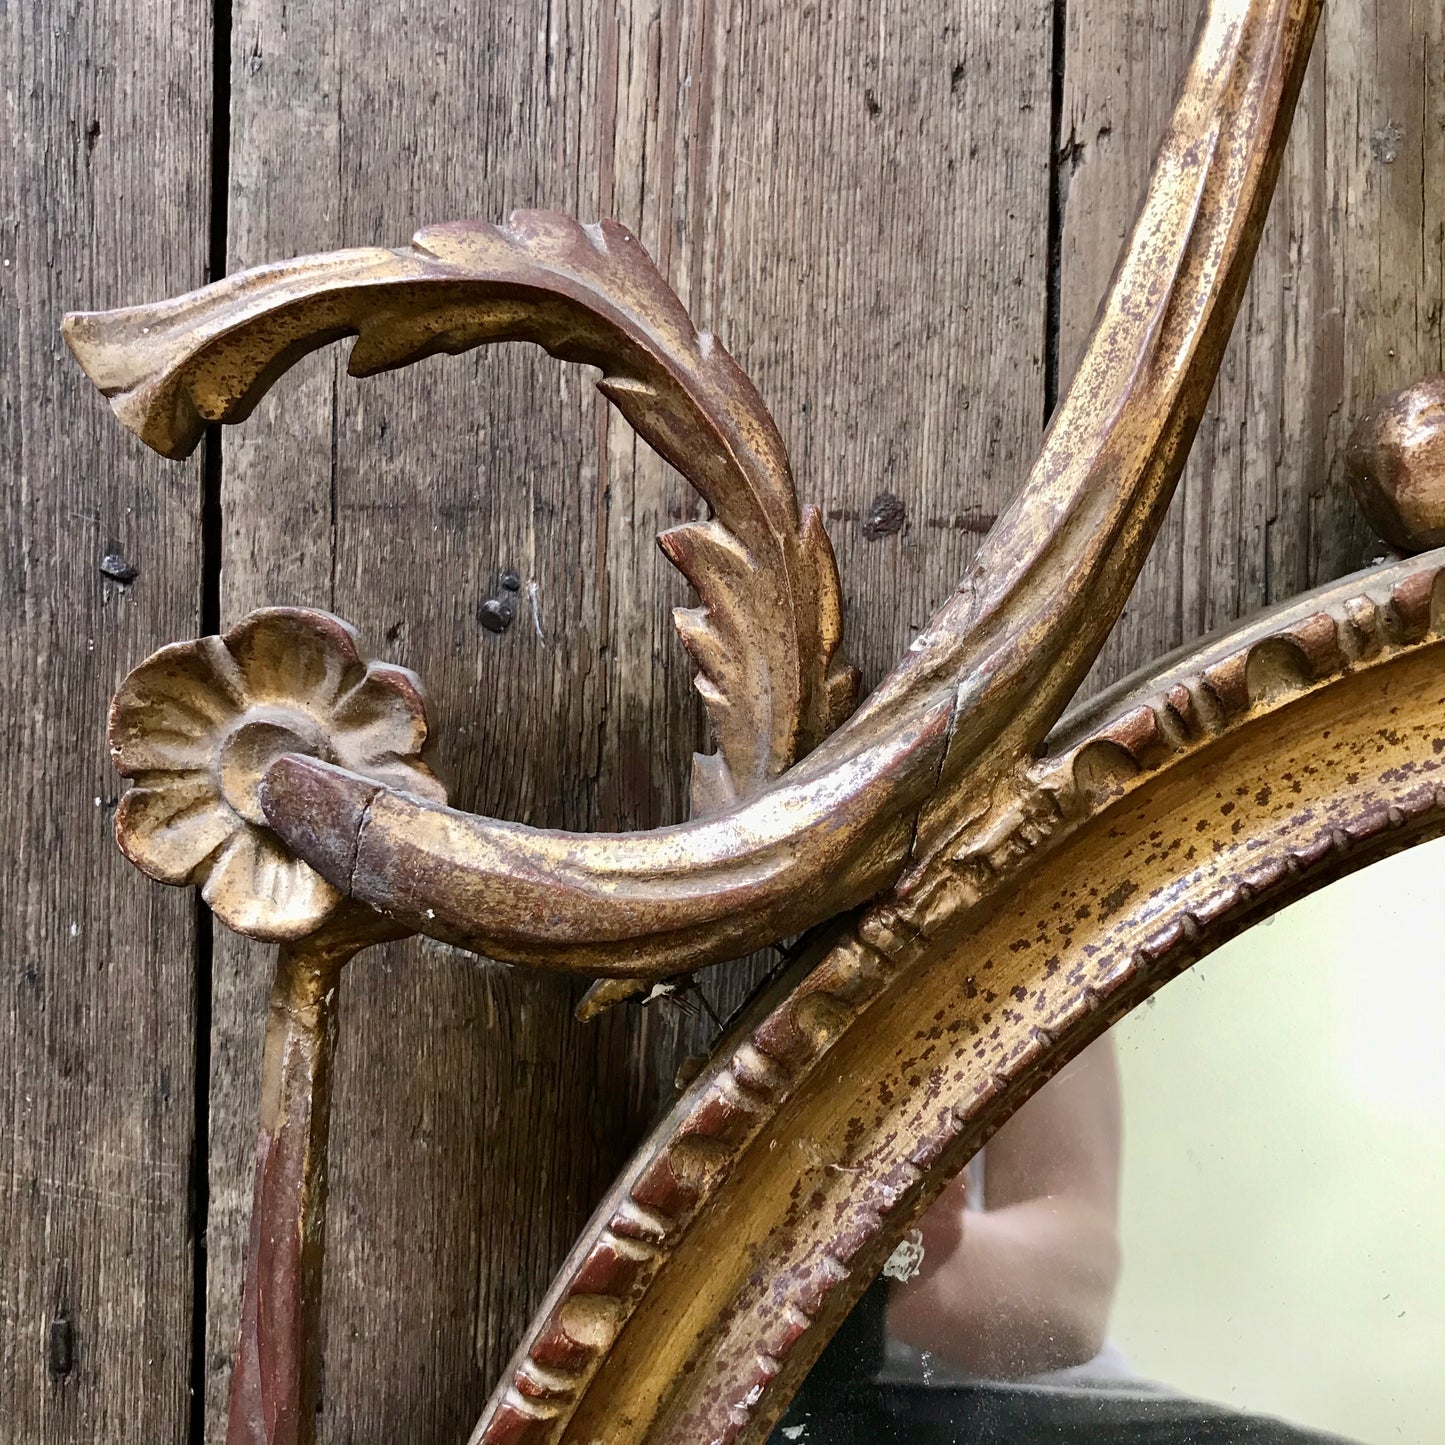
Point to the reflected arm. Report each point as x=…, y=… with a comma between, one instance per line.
x=1025, y=1284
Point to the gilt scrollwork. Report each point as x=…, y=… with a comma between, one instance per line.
x=922, y=844
x=766, y=639
x=977, y=692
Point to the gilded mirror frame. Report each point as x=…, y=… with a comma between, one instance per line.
x=975, y=888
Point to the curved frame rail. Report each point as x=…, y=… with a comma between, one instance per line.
x=1160, y=822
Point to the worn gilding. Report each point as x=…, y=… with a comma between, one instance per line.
x=981, y=890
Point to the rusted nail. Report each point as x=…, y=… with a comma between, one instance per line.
x=886, y=517
x=59, y=1348
x=496, y=613
x=114, y=566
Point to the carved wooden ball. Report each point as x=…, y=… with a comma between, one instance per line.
x=1395, y=462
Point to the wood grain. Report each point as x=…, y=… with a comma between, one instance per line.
x=105, y=125
x=1345, y=302
x=786, y=171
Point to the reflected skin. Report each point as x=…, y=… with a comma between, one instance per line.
x=1025, y=1285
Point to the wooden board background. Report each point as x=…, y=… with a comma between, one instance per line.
x=899, y=218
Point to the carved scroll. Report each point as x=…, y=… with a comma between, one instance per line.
x=977, y=692
x=766, y=639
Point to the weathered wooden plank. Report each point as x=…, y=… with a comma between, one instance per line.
x=856, y=201
x=1345, y=301
x=283, y=122
x=105, y=126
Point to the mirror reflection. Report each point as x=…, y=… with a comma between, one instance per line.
x=1218, y=1224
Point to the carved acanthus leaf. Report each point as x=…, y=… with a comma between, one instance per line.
x=767, y=635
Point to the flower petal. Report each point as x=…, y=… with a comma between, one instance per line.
x=257, y=888
x=295, y=655
x=383, y=716
x=169, y=712
x=173, y=829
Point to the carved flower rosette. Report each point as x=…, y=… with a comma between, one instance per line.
x=195, y=728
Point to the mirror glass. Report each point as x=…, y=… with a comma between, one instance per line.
x=1221, y=1223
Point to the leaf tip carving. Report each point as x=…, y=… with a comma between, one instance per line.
x=116, y=351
